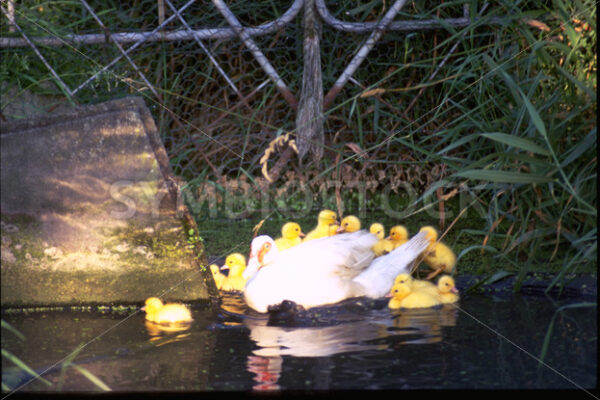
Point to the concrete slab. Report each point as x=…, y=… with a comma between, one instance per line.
x=90, y=212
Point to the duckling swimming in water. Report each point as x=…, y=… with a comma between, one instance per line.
x=169, y=313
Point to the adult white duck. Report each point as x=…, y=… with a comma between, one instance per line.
x=324, y=271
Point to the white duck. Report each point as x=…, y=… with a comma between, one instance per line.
x=324, y=271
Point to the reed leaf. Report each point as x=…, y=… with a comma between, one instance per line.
x=12, y=329
x=502, y=176
x=91, y=377
x=518, y=142
x=17, y=361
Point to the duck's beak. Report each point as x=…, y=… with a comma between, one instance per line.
x=340, y=230
x=301, y=234
x=224, y=267
x=388, y=237
x=454, y=290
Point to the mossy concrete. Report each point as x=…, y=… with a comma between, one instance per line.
x=91, y=212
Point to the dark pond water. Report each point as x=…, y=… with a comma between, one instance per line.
x=485, y=342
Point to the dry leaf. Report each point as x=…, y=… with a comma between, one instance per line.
x=356, y=149
x=372, y=92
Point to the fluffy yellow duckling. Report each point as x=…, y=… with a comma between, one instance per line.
x=170, y=313
x=417, y=284
x=405, y=296
x=398, y=235
x=447, y=291
x=325, y=218
x=291, y=235
x=349, y=224
x=438, y=256
x=384, y=245
x=217, y=275
x=236, y=264
x=378, y=230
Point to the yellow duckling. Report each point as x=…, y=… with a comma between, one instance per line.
x=404, y=296
x=417, y=284
x=349, y=224
x=398, y=235
x=170, y=313
x=383, y=246
x=236, y=264
x=325, y=218
x=291, y=235
x=447, y=291
x=217, y=275
x=438, y=256
x=378, y=230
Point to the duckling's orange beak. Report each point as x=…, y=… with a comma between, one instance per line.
x=340, y=230
x=224, y=267
x=301, y=234
x=388, y=237
x=454, y=290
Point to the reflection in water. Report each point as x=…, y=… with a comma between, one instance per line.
x=266, y=371
x=161, y=334
x=424, y=325
x=486, y=343
x=341, y=331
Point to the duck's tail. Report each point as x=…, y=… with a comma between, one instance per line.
x=377, y=280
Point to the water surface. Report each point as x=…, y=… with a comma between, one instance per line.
x=484, y=342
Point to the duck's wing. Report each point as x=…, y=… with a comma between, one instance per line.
x=344, y=255
x=377, y=280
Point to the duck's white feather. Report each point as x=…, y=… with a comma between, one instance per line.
x=377, y=280
x=328, y=270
